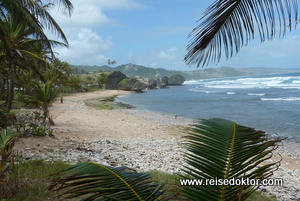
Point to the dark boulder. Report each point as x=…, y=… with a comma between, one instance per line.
x=164, y=82
x=113, y=80
x=176, y=80
x=158, y=82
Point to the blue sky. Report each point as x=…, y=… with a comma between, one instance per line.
x=154, y=33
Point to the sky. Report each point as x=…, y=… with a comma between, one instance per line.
x=154, y=33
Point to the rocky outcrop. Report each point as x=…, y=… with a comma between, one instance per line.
x=176, y=80
x=113, y=80
x=152, y=84
x=127, y=84
x=164, y=82
x=131, y=84
x=139, y=86
x=117, y=80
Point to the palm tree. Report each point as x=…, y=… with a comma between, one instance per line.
x=34, y=13
x=43, y=95
x=228, y=25
x=22, y=21
x=19, y=45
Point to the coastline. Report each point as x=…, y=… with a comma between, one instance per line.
x=142, y=140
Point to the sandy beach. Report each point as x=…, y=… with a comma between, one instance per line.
x=141, y=140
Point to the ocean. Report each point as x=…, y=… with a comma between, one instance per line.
x=270, y=103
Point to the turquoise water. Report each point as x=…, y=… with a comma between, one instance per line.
x=269, y=103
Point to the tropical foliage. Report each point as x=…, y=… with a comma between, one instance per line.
x=221, y=150
x=43, y=96
x=7, y=143
x=22, y=38
x=99, y=182
x=226, y=26
x=217, y=149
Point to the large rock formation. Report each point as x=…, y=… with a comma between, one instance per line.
x=127, y=84
x=164, y=82
x=152, y=84
x=139, y=86
x=176, y=80
x=113, y=80
x=131, y=84
x=117, y=80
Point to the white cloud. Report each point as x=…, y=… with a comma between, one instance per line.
x=170, y=54
x=86, y=47
x=159, y=58
x=277, y=53
x=90, y=13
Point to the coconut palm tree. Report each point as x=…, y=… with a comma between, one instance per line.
x=34, y=13
x=19, y=44
x=228, y=25
x=26, y=19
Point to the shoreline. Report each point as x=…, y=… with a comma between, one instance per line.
x=138, y=139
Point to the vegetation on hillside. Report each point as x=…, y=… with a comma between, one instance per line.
x=133, y=70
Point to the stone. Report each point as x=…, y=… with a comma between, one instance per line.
x=139, y=86
x=152, y=84
x=164, y=82
x=176, y=80
x=113, y=80
x=127, y=84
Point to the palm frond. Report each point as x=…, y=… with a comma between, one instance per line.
x=226, y=26
x=220, y=149
x=99, y=182
x=33, y=14
x=7, y=143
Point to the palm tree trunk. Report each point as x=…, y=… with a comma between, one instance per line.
x=11, y=84
x=3, y=82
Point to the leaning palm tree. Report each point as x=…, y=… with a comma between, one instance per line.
x=228, y=25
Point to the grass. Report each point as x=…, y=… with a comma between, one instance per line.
x=106, y=103
x=31, y=181
x=98, y=104
x=15, y=104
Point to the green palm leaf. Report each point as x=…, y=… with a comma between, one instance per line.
x=99, y=182
x=228, y=25
x=222, y=149
x=7, y=143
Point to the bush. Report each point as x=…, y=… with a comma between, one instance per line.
x=32, y=123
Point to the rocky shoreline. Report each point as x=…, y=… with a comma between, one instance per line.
x=148, y=147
